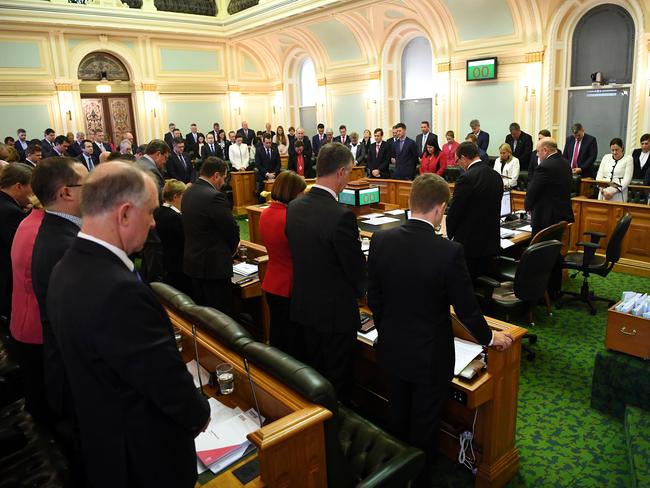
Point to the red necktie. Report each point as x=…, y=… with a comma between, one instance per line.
x=574, y=159
x=377, y=145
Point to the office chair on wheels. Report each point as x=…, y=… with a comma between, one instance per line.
x=528, y=286
x=587, y=262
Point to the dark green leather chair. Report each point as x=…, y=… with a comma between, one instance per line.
x=358, y=452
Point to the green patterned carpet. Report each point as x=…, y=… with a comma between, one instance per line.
x=562, y=441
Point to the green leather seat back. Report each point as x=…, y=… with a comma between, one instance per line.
x=220, y=326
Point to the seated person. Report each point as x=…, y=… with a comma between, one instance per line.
x=507, y=166
x=617, y=168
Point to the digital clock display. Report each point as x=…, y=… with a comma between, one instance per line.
x=482, y=69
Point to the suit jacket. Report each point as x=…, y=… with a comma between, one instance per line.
x=54, y=238
x=548, y=197
x=416, y=342
x=483, y=140
x=82, y=159
x=248, y=139
x=325, y=290
x=475, y=211
x=292, y=165
x=432, y=139
x=135, y=401
x=587, y=155
x=338, y=139
x=316, y=144
x=147, y=164
x=306, y=149
x=206, y=152
x=97, y=150
x=21, y=151
x=523, y=150
x=280, y=269
x=264, y=164
x=211, y=232
x=191, y=146
x=169, y=139
x=532, y=165
x=406, y=160
x=75, y=149
x=11, y=215
x=639, y=174
x=46, y=148
x=169, y=225
x=182, y=172
x=380, y=161
x=360, y=155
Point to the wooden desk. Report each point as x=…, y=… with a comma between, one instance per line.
x=243, y=190
x=357, y=173
x=587, y=187
x=290, y=447
x=492, y=397
x=268, y=185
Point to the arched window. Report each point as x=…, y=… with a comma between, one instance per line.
x=417, y=82
x=602, y=55
x=308, y=94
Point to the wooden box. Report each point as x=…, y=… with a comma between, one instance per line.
x=628, y=333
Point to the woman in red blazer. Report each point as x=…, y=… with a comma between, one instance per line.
x=277, y=282
x=448, y=156
x=431, y=161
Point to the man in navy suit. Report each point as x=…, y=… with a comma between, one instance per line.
x=179, y=164
x=581, y=150
x=425, y=138
x=99, y=146
x=77, y=147
x=267, y=162
x=211, y=148
x=319, y=139
x=247, y=135
x=521, y=145
x=343, y=137
x=482, y=137
x=169, y=137
x=405, y=155
x=379, y=156
x=21, y=143
x=47, y=144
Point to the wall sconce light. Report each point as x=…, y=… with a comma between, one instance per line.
x=69, y=114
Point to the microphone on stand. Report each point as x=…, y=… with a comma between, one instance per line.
x=196, y=358
x=250, y=382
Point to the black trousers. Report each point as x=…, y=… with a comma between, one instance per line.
x=30, y=358
x=415, y=417
x=284, y=332
x=331, y=354
x=482, y=266
x=214, y=293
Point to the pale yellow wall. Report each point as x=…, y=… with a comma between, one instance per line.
x=245, y=67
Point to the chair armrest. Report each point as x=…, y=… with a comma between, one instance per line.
x=591, y=245
x=507, y=259
x=487, y=281
x=594, y=234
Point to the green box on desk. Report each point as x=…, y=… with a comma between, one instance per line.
x=358, y=197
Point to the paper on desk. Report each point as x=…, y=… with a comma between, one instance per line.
x=525, y=228
x=465, y=353
x=368, y=337
x=395, y=212
x=222, y=438
x=228, y=459
x=205, y=376
x=381, y=220
x=245, y=269
x=372, y=216
x=506, y=243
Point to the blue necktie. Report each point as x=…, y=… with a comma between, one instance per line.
x=137, y=275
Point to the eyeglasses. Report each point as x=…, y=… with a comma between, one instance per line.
x=74, y=186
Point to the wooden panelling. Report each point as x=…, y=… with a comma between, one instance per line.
x=243, y=190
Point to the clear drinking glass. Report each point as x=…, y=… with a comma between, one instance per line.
x=226, y=378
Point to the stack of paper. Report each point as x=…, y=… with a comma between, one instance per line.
x=372, y=216
x=224, y=440
x=368, y=337
x=399, y=211
x=245, y=269
x=465, y=353
x=381, y=220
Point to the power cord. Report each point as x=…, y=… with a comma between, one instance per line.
x=465, y=439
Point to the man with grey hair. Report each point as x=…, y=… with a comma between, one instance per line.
x=125, y=147
x=482, y=137
x=77, y=147
x=135, y=402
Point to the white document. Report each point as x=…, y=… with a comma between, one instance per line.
x=245, y=269
x=395, y=212
x=372, y=216
x=506, y=233
x=506, y=243
x=465, y=353
x=381, y=221
x=368, y=337
x=222, y=438
x=525, y=228
x=205, y=376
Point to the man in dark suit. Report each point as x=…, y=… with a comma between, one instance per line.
x=319, y=139
x=548, y=198
x=405, y=155
x=211, y=148
x=99, y=146
x=424, y=138
x=267, y=162
x=471, y=137
x=521, y=145
x=47, y=144
x=192, y=141
x=215, y=131
x=474, y=215
x=326, y=289
x=156, y=155
x=641, y=158
x=21, y=143
x=482, y=137
x=60, y=147
x=15, y=190
x=248, y=135
x=343, y=136
x=77, y=147
x=581, y=150
x=211, y=237
x=379, y=156
x=169, y=137
x=269, y=130
x=415, y=343
x=33, y=155
x=86, y=156
x=179, y=164
x=122, y=358
x=534, y=159
x=306, y=145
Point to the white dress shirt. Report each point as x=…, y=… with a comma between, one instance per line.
x=328, y=190
x=115, y=250
x=239, y=156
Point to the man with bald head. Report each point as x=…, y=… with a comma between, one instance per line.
x=135, y=402
x=306, y=146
